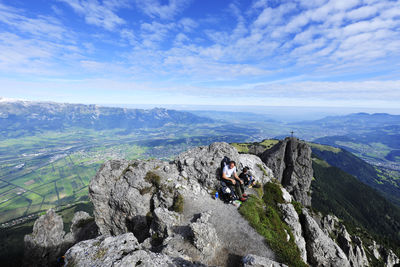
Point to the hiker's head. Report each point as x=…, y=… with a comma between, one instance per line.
x=232, y=164
x=245, y=169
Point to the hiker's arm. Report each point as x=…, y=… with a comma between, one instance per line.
x=237, y=178
x=226, y=178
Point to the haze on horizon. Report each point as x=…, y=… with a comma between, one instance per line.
x=338, y=53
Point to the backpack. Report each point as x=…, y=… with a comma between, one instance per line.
x=224, y=162
x=227, y=193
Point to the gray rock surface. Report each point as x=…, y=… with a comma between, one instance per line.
x=321, y=249
x=257, y=261
x=205, y=237
x=82, y=227
x=203, y=163
x=163, y=222
x=291, y=218
x=290, y=161
x=122, y=195
x=257, y=168
x=46, y=243
x=351, y=246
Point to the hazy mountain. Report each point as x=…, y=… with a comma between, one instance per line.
x=24, y=117
x=357, y=121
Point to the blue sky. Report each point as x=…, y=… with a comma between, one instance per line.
x=261, y=52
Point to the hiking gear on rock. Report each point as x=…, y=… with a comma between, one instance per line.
x=225, y=162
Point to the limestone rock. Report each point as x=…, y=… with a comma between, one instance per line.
x=122, y=192
x=46, y=243
x=291, y=218
x=102, y=251
x=203, y=163
x=321, y=249
x=163, y=222
x=290, y=161
x=257, y=261
x=82, y=227
x=286, y=196
x=205, y=236
x=351, y=246
x=257, y=168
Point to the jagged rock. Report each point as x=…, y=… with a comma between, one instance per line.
x=257, y=168
x=82, y=227
x=203, y=163
x=205, y=236
x=122, y=191
x=122, y=250
x=390, y=258
x=321, y=249
x=290, y=161
x=257, y=261
x=163, y=222
x=46, y=243
x=101, y=251
x=351, y=246
x=386, y=255
x=291, y=218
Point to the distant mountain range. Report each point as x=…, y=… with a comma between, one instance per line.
x=357, y=120
x=24, y=117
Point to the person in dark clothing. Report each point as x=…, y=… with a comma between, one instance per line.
x=231, y=179
x=247, y=178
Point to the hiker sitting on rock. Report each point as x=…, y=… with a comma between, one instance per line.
x=247, y=178
x=231, y=179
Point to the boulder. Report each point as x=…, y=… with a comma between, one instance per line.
x=291, y=218
x=163, y=222
x=290, y=161
x=321, y=249
x=46, y=243
x=101, y=251
x=257, y=261
x=205, y=236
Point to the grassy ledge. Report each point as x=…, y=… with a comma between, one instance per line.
x=264, y=216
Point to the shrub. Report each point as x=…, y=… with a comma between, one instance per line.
x=153, y=178
x=178, y=203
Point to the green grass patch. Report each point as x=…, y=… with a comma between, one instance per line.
x=325, y=148
x=264, y=216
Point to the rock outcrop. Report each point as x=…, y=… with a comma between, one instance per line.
x=46, y=243
x=321, y=249
x=205, y=236
x=291, y=218
x=351, y=246
x=48, y=240
x=290, y=161
x=157, y=213
x=257, y=261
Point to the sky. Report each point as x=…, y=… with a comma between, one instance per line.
x=337, y=53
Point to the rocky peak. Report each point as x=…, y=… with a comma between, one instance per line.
x=157, y=213
x=290, y=161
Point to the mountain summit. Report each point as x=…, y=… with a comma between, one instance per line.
x=157, y=213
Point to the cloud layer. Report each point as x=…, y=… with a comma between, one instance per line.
x=300, y=49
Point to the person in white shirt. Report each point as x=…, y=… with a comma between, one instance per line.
x=230, y=177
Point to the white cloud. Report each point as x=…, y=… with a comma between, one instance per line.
x=102, y=14
x=156, y=9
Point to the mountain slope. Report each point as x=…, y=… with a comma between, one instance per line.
x=335, y=191
x=23, y=117
x=373, y=176
x=338, y=192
